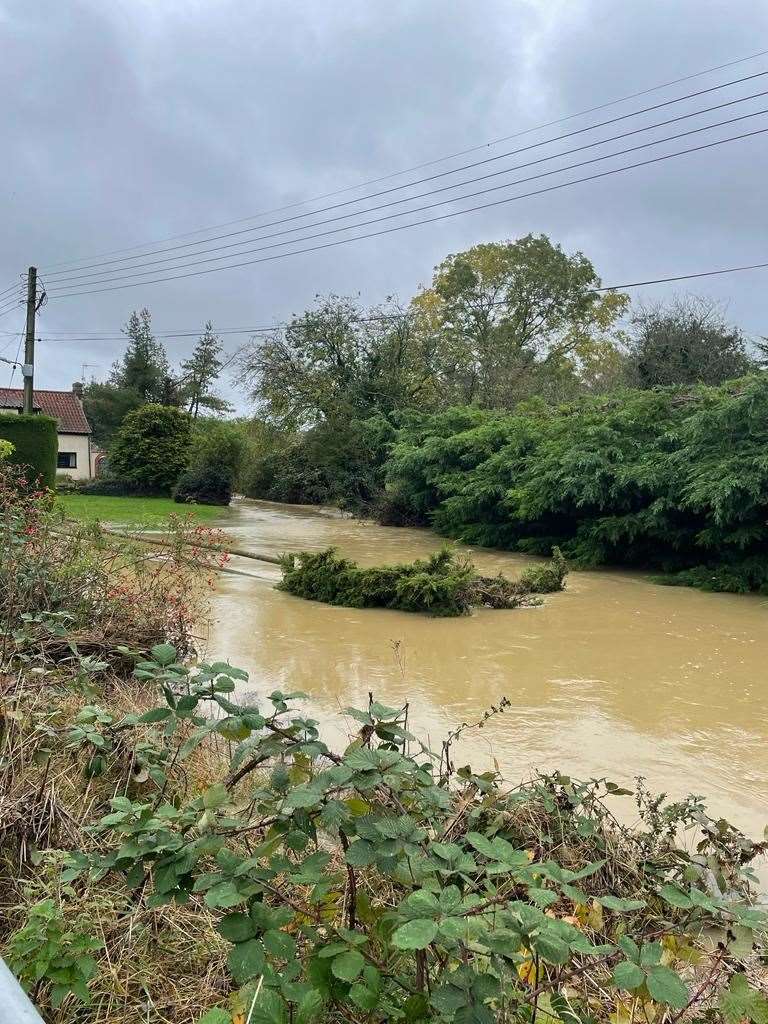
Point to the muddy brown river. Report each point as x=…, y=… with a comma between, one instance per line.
x=616, y=676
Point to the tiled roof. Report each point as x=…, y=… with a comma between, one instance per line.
x=64, y=406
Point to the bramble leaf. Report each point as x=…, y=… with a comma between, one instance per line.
x=665, y=986
x=348, y=965
x=628, y=975
x=415, y=934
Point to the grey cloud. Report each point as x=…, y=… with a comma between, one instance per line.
x=130, y=121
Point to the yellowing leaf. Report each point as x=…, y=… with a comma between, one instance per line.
x=357, y=806
x=527, y=970
x=590, y=915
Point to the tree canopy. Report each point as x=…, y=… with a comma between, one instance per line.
x=337, y=360
x=200, y=372
x=685, y=342
x=512, y=319
x=144, y=366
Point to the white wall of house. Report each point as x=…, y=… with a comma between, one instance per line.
x=77, y=445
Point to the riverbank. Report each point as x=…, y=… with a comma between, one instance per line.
x=171, y=851
x=670, y=480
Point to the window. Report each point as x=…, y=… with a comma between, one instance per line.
x=66, y=460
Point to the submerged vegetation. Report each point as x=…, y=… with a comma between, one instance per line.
x=443, y=584
x=172, y=852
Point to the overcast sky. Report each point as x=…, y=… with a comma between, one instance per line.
x=130, y=121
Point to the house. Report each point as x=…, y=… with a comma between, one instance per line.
x=77, y=456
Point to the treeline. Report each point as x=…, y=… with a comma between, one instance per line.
x=519, y=406
x=512, y=403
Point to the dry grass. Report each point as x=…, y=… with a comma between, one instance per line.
x=157, y=965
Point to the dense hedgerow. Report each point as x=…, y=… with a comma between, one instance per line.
x=442, y=584
x=35, y=444
x=667, y=479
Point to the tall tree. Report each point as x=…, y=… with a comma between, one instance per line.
x=515, y=319
x=144, y=365
x=201, y=371
x=106, y=406
x=338, y=362
x=685, y=342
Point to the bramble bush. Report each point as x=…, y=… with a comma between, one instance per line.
x=380, y=885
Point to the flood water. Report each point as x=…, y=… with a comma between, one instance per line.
x=615, y=676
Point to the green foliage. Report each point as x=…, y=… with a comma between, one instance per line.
x=143, y=368
x=672, y=479
x=742, y=1002
x=442, y=584
x=377, y=881
x=685, y=342
x=106, y=406
x=548, y=578
x=337, y=462
x=218, y=443
x=206, y=485
x=512, y=319
x=6, y=449
x=216, y=453
x=337, y=362
x=200, y=372
x=35, y=444
x=46, y=951
x=151, y=448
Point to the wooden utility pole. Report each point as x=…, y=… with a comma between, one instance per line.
x=29, y=343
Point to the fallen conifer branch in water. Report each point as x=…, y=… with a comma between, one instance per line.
x=443, y=584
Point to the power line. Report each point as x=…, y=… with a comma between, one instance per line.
x=266, y=328
x=119, y=275
x=429, y=163
x=424, y=220
x=16, y=362
x=11, y=307
x=118, y=272
x=16, y=286
x=249, y=231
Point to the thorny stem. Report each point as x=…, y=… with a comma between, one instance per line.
x=709, y=980
x=352, y=907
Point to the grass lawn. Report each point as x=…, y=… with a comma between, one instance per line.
x=144, y=511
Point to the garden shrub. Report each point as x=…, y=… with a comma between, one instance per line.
x=216, y=452
x=206, y=485
x=152, y=447
x=35, y=444
x=109, y=486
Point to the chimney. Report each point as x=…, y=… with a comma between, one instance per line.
x=77, y=390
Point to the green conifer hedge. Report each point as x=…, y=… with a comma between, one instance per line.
x=35, y=443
